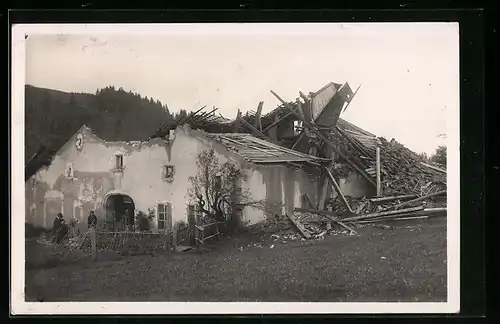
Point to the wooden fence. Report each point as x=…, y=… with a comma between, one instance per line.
x=206, y=232
x=99, y=241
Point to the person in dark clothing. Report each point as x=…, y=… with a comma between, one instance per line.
x=60, y=228
x=92, y=220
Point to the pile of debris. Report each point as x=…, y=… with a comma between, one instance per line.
x=315, y=224
x=407, y=173
x=284, y=228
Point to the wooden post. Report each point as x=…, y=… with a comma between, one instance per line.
x=258, y=123
x=174, y=237
x=93, y=239
x=237, y=122
x=378, y=172
x=339, y=192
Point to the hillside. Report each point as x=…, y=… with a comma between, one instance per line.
x=53, y=116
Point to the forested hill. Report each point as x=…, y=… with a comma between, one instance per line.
x=54, y=116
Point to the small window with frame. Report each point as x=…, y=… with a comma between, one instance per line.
x=297, y=127
x=168, y=172
x=69, y=171
x=119, y=161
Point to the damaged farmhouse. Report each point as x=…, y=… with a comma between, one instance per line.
x=300, y=164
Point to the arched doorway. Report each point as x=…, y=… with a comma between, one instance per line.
x=119, y=211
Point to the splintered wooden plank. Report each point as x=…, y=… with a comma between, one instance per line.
x=337, y=189
x=300, y=227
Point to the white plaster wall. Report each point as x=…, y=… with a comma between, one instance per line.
x=298, y=194
x=355, y=186
x=255, y=185
x=141, y=178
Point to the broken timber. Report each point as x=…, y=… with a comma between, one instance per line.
x=326, y=141
x=386, y=213
x=258, y=123
x=337, y=189
x=439, y=193
x=254, y=130
x=300, y=227
x=433, y=167
x=328, y=214
x=387, y=199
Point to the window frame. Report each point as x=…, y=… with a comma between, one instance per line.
x=167, y=209
x=119, y=163
x=168, y=176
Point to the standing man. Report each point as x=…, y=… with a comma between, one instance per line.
x=92, y=220
x=59, y=228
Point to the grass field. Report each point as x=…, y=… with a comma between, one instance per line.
x=407, y=263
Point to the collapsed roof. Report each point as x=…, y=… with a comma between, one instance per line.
x=255, y=150
x=307, y=129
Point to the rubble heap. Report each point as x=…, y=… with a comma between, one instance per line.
x=404, y=172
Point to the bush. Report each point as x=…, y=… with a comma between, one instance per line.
x=144, y=220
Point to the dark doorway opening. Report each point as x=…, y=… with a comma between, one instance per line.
x=120, y=212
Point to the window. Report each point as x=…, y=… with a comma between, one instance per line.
x=164, y=216
x=168, y=172
x=297, y=127
x=69, y=170
x=119, y=161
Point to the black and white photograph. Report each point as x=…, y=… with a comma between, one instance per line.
x=278, y=167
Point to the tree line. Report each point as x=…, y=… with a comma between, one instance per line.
x=51, y=116
x=439, y=155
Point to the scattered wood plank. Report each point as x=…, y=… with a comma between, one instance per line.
x=391, y=219
x=254, y=130
x=328, y=214
x=360, y=207
x=383, y=213
x=258, y=123
x=333, y=216
x=381, y=200
x=300, y=227
x=326, y=141
x=439, y=193
x=350, y=229
x=433, y=167
x=276, y=122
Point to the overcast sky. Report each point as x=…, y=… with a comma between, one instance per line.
x=408, y=72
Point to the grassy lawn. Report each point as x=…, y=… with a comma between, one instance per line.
x=407, y=263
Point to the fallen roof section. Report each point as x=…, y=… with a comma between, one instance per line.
x=255, y=150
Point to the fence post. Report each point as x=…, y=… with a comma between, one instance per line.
x=93, y=239
x=174, y=237
x=377, y=161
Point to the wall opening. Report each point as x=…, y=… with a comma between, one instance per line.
x=119, y=210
